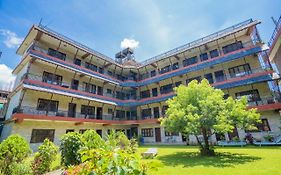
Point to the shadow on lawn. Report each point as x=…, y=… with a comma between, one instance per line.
x=190, y=159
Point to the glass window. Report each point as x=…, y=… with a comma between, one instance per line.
x=145, y=94
x=153, y=73
x=209, y=77
x=177, y=84
x=239, y=71
x=156, y=112
x=39, y=135
x=154, y=92
x=166, y=89
x=214, y=53
x=251, y=95
x=232, y=47
x=175, y=66
x=147, y=132
x=219, y=75
x=57, y=54
x=51, y=78
x=69, y=130
x=77, y=61
x=164, y=69
x=108, y=91
x=203, y=56
x=189, y=61
x=146, y=113
x=87, y=110
x=91, y=66
x=120, y=114
x=47, y=105
x=164, y=109
x=74, y=84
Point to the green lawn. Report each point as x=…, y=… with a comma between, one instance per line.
x=249, y=160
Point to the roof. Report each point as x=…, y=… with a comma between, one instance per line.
x=233, y=29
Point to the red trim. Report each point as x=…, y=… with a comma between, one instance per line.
x=266, y=107
x=274, y=42
x=21, y=117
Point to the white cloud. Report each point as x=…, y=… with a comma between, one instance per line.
x=6, y=77
x=131, y=43
x=11, y=38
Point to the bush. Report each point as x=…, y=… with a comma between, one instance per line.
x=116, y=155
x=13, y=150
x=69, y=147
x=22, y=168
x=44, y=157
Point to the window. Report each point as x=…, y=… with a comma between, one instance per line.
x=74, y=84
x=175, y=66
x=194, y=78
x=219, y=75
x=120, y=95
x=77, y=61
x=209, y=77
x=232, y=47
x=177, y=84
x=108, y=91
x=91, y=88
x=166, y=89
x=39, y=135
x=164, y=69
x=81, y=131
x=47, y=105
x=120, y=114
x=171, y=133
x=57, y=54
x=263, y=126
x=91, y=66
x=156, y=112
x=225, y=96
x=251, y=95
x=109, y=73
x=145, y=94
x=146, y=113
x=203, y=56
x=99, y=132
x=241, y=70
x=110, y=111
x=51, y=78
x=101, y=70
x=189, y=61
x=214, y=53
x=87, y=110
x=69, y=130
x=147, y=132
x=154, y=92
x=153, y=73
x=100, y=90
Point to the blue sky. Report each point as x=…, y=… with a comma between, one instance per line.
x=157, y=26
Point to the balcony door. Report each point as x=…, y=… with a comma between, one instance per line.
x=99, y=113
x=71, y=110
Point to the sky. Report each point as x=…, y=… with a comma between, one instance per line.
x=151, y=27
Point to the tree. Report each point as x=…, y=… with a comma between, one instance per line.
x=200, y=109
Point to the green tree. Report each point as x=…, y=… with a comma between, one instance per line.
x=200, y=109
x=13, y=150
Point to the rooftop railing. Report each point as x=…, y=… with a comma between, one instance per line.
x=197, y=42
x=275, y=32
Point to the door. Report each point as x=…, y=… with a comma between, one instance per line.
x=157, y=135
x=74, y=84
x=99, y=113
x=100, y=90
x=71, y=110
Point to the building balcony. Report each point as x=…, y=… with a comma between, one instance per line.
x=36, y=82
x=32, y=113
x=248, y=49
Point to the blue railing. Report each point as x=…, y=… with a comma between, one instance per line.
x=196, y=42
x=275, y=32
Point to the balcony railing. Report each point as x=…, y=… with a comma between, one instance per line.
x=275, y=32
x=79, y=115
x=265, y=100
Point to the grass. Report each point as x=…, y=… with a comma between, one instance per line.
x=181, y=160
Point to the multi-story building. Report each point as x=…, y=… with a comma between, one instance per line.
x=3, y=103
x=274, y=44
x=64, y=86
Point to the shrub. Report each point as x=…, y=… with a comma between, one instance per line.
x=23, y=168
x=69, y=147
x=13, y=150
x=116, y=155
x=44, y=157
